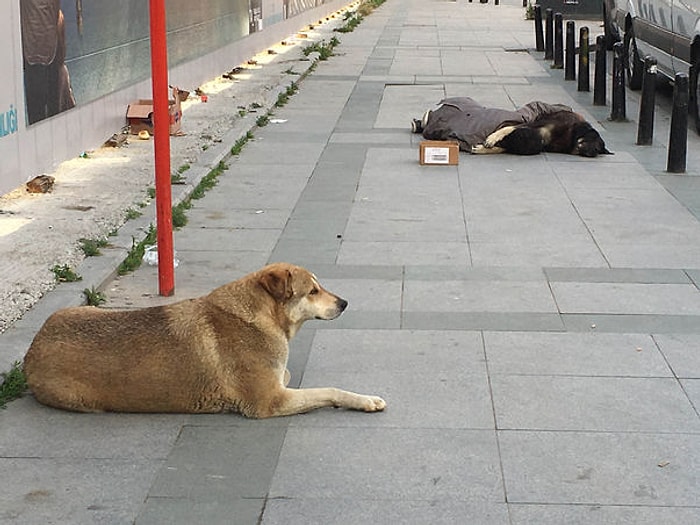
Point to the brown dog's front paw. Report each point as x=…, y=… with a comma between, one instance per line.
x=373, y=404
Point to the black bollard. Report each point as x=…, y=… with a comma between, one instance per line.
x=549, y=34
x=583, y=52
x=678, y=139
x=600, y=80
x=539, y=35
x=645, y=128
x=570, y=64
x=558, y=41
x=619, y=110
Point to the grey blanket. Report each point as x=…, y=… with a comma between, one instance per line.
x=465, y=120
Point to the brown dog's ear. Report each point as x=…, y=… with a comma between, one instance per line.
x=278, y=283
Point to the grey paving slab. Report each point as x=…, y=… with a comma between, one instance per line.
x=402, y=253
x=476, y=296
x=617, y=275
x=166, y=511
x=291, y=151
x=682, y=353
x=201, y=214
x=340, y=511
x=414, y=371
x=360, y=350
x=209, y=464
x=408, y=393
x=575, y=354
x=468, y=273
x=375, y=138
x=49, y=433
x=616, y=218
x=226, y=239
x=362, y=463
x=626, y=298
x=601, y=468
x=74, y=490
x=592, y=403
x=540, y=322
x=380, y=272
x=536, y=253
x=305, y=253
x=694, y=276
x=663, y=255
x=368, y=295
x=399, y=101
x=685, y=189
x=315, y=228
x=632, y=323
x=363, y=320
x=692, y=389
x=601, y=515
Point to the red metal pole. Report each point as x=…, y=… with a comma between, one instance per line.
x=161, y=123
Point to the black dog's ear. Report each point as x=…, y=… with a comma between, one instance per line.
x=278, y=283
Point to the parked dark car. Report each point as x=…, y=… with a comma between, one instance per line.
x=668, y=30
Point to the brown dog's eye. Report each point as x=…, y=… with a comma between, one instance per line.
x=313, y=291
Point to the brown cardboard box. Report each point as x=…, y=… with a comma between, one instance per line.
x=439, y=152
x=139, y=114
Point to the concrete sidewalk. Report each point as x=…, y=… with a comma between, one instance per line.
x=532, y=322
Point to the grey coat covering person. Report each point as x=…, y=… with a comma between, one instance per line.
x=465, y=120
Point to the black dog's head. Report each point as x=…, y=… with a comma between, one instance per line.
x=588, y=142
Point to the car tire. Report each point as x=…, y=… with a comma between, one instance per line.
x=634, y=65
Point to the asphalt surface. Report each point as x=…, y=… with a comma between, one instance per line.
x=532, y=322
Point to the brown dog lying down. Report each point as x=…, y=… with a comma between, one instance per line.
x=558, y=132
x=226, y=351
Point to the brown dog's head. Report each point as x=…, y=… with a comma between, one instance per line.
x=588, y=142
x=300, y=293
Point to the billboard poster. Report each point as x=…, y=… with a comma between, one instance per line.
x=294, y=7
x=77, y=51
x=47, y=85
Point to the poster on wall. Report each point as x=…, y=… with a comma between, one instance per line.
x=47, y=87
x=77, y=51
x=294, y=7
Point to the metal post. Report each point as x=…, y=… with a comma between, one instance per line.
x=645, y=128
x=583, y=60
x=539, y=35
x=570, y=64
x=549, y=34
x=678, y=139
x=558, y=41
x=600, y=81
x=161, y=126
x=619, y=110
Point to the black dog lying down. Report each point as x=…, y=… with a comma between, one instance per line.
x=558, y=132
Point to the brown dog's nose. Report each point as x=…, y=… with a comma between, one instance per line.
x=342, y=304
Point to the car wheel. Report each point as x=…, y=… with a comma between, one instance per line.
x=634, y=65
